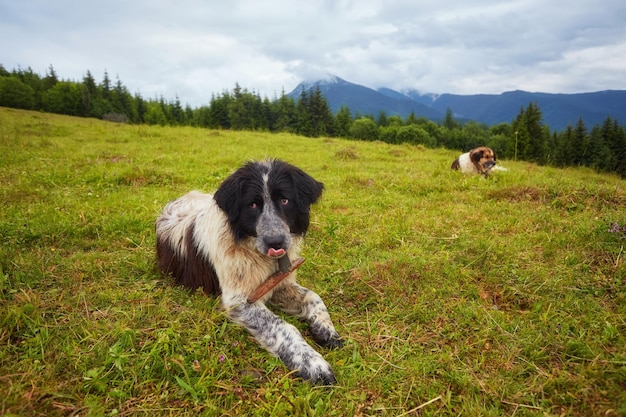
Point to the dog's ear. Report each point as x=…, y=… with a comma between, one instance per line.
x=308, y=188
x=476, y=156
x=308, y=191
x=228, y=195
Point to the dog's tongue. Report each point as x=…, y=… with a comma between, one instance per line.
x=274, y=253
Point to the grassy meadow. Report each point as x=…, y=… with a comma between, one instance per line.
x=455, y=295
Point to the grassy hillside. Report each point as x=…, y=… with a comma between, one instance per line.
x=455, y=295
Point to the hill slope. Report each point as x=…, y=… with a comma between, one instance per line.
x=455, y=295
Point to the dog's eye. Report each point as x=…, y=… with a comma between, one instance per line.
x=284, y=201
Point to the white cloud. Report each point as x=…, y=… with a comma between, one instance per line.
x=194, y=48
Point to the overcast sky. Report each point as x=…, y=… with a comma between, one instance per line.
x=193, y=48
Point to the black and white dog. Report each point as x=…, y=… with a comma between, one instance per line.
x=230, y=242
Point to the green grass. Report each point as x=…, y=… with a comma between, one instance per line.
x=455, y=295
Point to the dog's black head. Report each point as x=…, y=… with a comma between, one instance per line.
x=268, y=200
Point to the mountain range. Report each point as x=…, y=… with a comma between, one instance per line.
x=558, y=110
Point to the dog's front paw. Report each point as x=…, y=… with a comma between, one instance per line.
x=326, y=337
x=317, y=371
x=335, y=342
x=308, y=364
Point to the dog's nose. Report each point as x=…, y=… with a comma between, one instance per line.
x=490, y=164
x=274, y=242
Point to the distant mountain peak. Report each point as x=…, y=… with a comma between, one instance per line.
x=324, y=79
x=364, y=100
x=426, y=98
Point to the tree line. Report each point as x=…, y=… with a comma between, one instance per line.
x=603, y=147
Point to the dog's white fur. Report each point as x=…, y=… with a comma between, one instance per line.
x=466, y=165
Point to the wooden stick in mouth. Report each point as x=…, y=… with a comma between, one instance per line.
x=273, y=280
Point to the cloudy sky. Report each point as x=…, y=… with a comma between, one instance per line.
x=193, y=48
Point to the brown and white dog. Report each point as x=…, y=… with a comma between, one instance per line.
x=480, y=160
x=229, y=243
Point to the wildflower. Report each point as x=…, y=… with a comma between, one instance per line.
x=222, y=358
x=617, y=228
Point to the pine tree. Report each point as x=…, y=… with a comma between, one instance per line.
x=449, y=122
x=178, y=115
x=90, y=84
x=552, y=149
x=530, y=135
x=219, y=111
x=189, y=113
x=343, y=122
x=303, y=126
x=241, y=109
x=202, y=117
x=600, y=156
x=89, y=92
x=381, y=120
x=286, y=114
x=142, y=108
x=269, y=114
x=50, y=79
x=105, y=87
x=615, y=139
x=567, y=154
x=320, y=115
x=580, y=144
x=411, y=119
x=536, y=150
x=521, y=135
